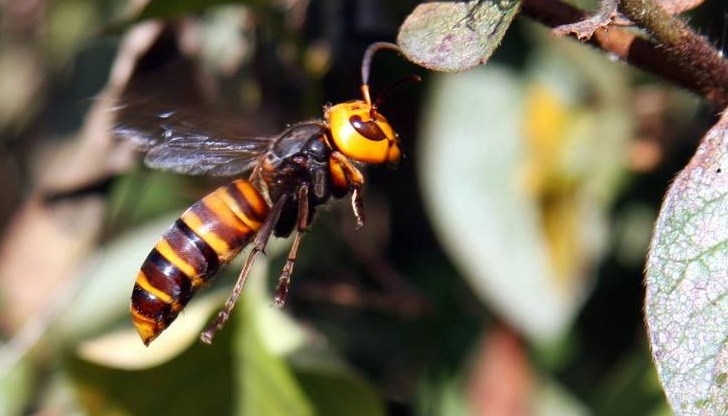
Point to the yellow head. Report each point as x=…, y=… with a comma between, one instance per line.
x=362, y=134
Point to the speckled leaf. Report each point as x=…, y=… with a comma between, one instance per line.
x=687, y=282
x=455, y=35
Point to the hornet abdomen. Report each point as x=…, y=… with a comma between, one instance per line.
x=206, y=236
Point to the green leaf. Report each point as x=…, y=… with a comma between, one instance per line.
x=518, y=173
x=16, y=382
x=282, y=370
x=302, y=377
x=440, y=394
x=687, y=282
x=339, y=392
x=455, y=35
x=199, y=381
x=265, y=383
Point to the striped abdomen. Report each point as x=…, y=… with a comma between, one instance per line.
x=209, y=234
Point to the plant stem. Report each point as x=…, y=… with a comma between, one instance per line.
x=654, y=19
x=677, y=54
x=691, y=53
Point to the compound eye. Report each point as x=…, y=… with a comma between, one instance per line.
x=368, y=129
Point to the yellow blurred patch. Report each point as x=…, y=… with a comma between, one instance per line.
x=548, y=122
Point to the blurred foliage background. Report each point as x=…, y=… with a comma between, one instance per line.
x=499, y=272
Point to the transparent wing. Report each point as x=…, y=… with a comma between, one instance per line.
x=178, y=141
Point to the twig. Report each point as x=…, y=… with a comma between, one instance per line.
x=682, y=57
x=691, y=53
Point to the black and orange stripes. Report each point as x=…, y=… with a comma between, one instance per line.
x=206, y=236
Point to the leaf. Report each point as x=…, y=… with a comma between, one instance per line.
x=339, y=392
x=488, y=227
x=122, y=349
x=283, y=370
x=455, y=36
x=265, y=383
x=687, y=282
x=304, y=378
x=199, y=381
x=16, y=384
x=517, y=174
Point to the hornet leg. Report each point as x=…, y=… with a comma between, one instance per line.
x=356, y=183
x=261, y=239
x=284, y=280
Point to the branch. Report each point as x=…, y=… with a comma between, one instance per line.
x=691, y=53
x=681, y=57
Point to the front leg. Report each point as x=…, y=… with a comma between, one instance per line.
x=345, y=174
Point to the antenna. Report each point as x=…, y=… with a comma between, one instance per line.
x=366, y=63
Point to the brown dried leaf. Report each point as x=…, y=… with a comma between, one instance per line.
x=42, y=248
